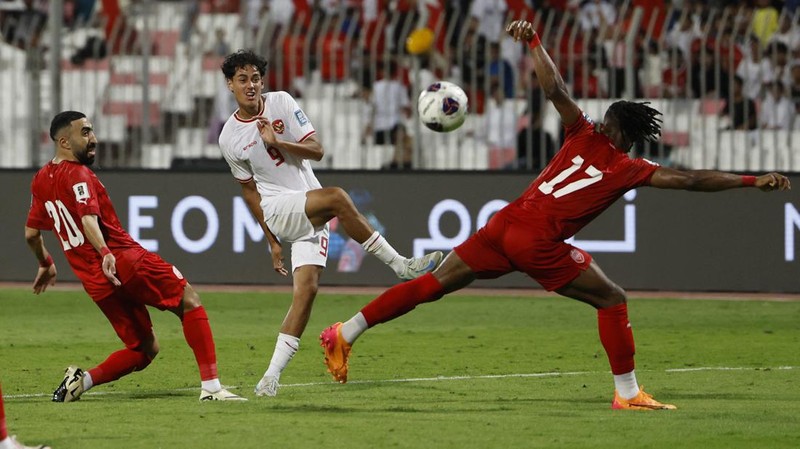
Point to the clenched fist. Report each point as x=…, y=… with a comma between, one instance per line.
x=520, y=29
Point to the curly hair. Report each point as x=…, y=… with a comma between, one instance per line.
x=240, y=59
x=637, y=121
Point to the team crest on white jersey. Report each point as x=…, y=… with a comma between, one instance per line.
x=81, y=191
x=278, y=126
x=301, y=118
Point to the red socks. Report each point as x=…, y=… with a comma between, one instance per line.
x=3, y=429
x=617, y=337
x=118, y=364
x=198, y=335
x=401, y=299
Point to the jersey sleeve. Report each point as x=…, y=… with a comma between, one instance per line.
x=239, y=169
x=583, y=124
x=300, y=127
x=639, y=172
x=37, y=214
x=83, y=187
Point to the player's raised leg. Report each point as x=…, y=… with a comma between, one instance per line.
x=337, y=339
x=594, y=288
x=328, y=202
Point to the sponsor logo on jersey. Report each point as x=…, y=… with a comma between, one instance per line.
x=301, y=118
x=81, y=191
x=278, y=126
x=587, y=118
x=249, y=145
x=577, y=256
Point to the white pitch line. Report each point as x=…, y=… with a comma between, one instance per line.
x=438, y=379
x=445, y=378
x=723, y=368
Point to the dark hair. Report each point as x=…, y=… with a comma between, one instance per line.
x=776, y=47
x=637, y=121
x=62, y=120
x=240, y=59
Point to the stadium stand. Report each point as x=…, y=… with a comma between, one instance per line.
x=170, y=52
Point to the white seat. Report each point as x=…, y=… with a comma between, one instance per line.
x=157, y=156
x=190, y=142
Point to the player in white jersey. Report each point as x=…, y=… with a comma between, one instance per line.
x=268, y=143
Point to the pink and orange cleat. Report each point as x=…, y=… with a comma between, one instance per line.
x=642, y=401
x=337, y=351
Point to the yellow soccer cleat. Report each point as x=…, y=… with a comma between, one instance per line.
x=337, y=351
x=642, y=401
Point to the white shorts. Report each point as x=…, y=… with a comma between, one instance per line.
x=311, y=251
x=287, y=219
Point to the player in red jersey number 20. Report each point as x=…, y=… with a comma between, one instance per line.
x=118, y=274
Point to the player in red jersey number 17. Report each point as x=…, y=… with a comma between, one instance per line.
x=588, y=174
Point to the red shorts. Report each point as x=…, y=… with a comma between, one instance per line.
x=503, y=246
x=153, y=283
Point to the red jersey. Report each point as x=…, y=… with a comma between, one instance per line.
x=61, y=195
x=584, y=178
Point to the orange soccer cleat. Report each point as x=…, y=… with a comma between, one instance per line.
x=337, y=351
x=642, y=401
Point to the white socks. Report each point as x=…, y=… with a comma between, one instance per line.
x=87, y=381
x=211, y=386
x=354, y=327
x=626, y=385
x=8, y=443
x=285, y=348
x=378, y=246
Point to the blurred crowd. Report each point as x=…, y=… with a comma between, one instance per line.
x=743, y=53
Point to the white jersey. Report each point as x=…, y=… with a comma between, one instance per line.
x=275, y=171
x=389, y=97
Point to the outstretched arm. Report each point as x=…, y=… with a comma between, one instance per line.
x=549, y=77
x=714, y=181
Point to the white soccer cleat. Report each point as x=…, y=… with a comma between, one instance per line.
x=418, y=266
x=71, y=387
x=221, y=395
x=267, y=386
x=17, y=445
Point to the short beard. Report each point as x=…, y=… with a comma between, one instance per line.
x=84, y=158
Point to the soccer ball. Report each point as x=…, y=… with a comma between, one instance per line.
x=442, y=106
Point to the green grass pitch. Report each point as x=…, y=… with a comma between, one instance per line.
x=464, y=372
